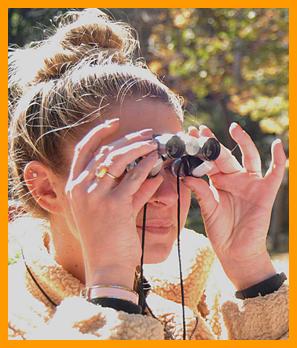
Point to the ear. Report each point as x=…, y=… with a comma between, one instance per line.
x=40, y=182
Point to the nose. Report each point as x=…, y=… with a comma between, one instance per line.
x=167, y=192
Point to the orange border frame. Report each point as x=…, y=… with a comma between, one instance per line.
x=292, y=6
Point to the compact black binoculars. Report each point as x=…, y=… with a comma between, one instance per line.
x=190, y=156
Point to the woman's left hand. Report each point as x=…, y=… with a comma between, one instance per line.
x=236, y=207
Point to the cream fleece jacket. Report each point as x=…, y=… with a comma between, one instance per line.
x=32, y=316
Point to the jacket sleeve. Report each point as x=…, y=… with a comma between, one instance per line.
x=260, y=318
x=73, y=318
x=77, y=319
x=263, y=317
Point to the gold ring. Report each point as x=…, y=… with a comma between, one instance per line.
x=111, y=176
x=100, y=173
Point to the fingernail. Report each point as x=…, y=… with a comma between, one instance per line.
x=143, y=132
x=146, y=131
x=278, y=141
x=190, y=128
x=233, y=125
x=114, y=120
x=203, y=169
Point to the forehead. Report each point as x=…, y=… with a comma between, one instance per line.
x=145, y=113
x=134, y=115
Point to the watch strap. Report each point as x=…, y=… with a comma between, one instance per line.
x=263, y=288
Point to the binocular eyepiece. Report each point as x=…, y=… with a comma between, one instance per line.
x=187, y=153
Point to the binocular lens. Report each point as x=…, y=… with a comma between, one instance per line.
x=211, y=149
x=175, y=147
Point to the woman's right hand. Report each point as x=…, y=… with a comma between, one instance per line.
x=104, y=210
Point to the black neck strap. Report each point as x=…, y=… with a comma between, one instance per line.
x=36, y=282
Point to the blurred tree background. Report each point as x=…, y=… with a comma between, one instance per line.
x=228, y=64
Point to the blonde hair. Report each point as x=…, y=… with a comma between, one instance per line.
x=58, y=85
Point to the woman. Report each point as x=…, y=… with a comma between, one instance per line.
x=82, y=111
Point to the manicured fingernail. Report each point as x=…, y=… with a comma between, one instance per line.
x=233, y=126
x=278, y=141
x=203, y=169
x=114, y=120
x=205, y=131
x=146, y=131
x=190, y=128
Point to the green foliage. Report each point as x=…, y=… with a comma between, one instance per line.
x=228, y=64
x=234, y=57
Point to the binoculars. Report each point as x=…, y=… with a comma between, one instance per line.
x=190, y=156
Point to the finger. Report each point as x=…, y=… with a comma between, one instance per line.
x=193, y=131
x=275, y=173
x=105, y=150
x=226, y=162
x=204, y=131
x=250, y=156
x=118, y=160
x=146, y=192
x=205, y=196
x=89, y=144
x=229, y=182
x=134, y=178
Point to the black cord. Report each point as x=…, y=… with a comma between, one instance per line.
x=141, y=290
x=35, y=281
x=141, y=301
x=179, y=253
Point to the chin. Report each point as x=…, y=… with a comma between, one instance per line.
x=158, y=245
x=157, y=253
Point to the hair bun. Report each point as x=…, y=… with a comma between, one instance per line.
x=100, y=35
x=93, y=27
x=87, y=34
